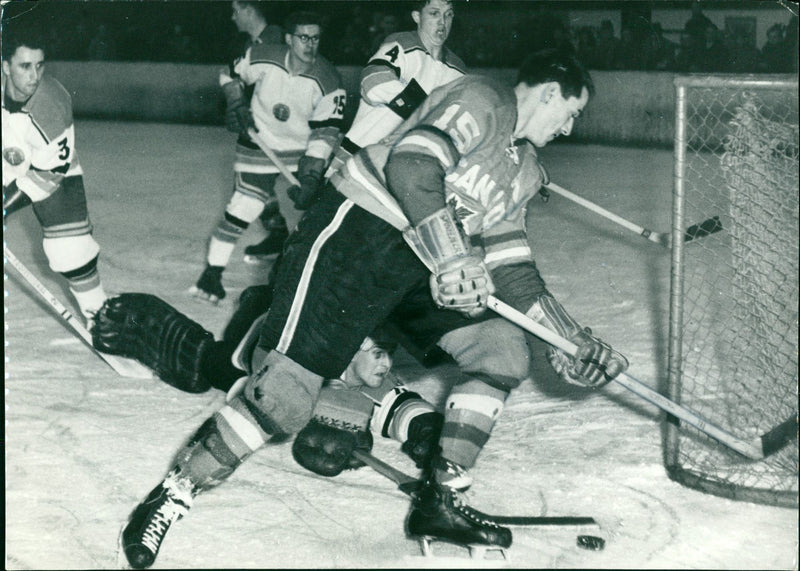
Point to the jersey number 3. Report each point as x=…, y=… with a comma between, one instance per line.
x=63, y=149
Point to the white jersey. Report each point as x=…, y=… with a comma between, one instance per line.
x=386, y=79
x=295, y=114
x=39, y=140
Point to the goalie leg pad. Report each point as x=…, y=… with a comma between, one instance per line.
x=282, y=394
x=148, y=329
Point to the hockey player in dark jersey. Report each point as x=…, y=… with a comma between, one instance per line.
x=297, y=106
x=41, y=166
x=424, y=227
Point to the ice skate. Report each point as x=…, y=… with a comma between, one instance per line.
x=439, y=514
x=142, y=536
x=209, y=286
x=268, y=249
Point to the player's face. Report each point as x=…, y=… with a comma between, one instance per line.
x=239, y=15
x=434, y=22
x=553, y=116
x=23, y=72
x=370, y=365
x=304, y=43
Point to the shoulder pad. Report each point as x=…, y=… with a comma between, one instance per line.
x=326, y=75
x=452, y=60
x=269, y=53
x=407, y=40
x=50, y=108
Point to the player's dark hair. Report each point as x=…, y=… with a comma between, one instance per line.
x=17, y=33
x=384, y=339
x=418, y=5
x=296, y=19
x=556, y=65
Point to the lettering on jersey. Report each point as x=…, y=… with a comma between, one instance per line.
x=462, y=127
x=13, y=156
x=393, y=53
x=281, y=112
x=470, y=184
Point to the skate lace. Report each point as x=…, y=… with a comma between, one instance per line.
x=173, y=508
x=469, y=512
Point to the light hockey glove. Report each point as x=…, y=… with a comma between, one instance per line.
x=460, y=279
x=309, y=175
x=595, y=363
x=327, y=450
x=14, y=199
x=423, y=438
x=238, y=117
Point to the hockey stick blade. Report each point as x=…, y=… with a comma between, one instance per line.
x=409, y=485
x=124, y=367
x=703, y=229
x=756, y=449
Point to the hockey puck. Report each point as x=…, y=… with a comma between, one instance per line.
x=591, y=542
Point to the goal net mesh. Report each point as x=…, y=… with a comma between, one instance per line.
x=734, y=310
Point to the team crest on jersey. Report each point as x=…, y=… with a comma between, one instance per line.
x=281, y=112
x=13, y=156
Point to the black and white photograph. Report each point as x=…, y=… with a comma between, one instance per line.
x=425, y=284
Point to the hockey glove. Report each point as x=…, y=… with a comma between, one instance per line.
x=423, y=438
x=238, y=117
x=14, y=199
x=143, y=327
x=328, y=450
x=460, y=280
x=595, y=363
x=309, y=174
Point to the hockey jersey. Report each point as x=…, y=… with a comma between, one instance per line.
x=39, y=140
x=466, y=128
x=394, y=82
x=295, y=114
x=386, y=410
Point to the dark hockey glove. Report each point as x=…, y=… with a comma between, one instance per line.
x=328, y=450
x=148, y=329
x=594, y=365
x=14, y=199
x=309, y=174
x=238, y=117
x=423, y=438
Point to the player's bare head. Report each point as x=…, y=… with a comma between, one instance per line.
x=552, y=89
x=19, y=33
x=248, y=16
x=303, y=34
x=23, y=59
x=434, y=19
x=372, y=362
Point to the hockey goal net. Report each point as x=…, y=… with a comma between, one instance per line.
x=734, y=293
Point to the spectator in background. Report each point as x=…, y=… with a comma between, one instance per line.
x=686, y=56
x=629, y=52
x=102, y=46
x=659, y=52
x=696, y=27
x=743, y=56
x=713, y=56
x=775, y=58
x=182, y=47
x=586, y=47
x=607, y=46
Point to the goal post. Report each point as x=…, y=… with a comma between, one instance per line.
x=733, y=339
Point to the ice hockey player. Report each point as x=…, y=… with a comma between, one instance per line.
x=367, y=398
x=297, y=107
x=40, y=164
x=425, y=226
x=405, y=68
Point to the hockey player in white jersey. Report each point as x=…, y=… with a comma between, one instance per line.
x=40, y=164
x=405, y=68
x=297, y=107
x=424, y=227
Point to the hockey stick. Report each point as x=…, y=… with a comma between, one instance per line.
x=124, y=367
x=273, y=157
x=755, y=449
x=409, y=485
x=695, y=231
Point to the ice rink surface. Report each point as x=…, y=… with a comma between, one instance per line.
x=84, y=446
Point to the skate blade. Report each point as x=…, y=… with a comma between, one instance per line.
x=477, y=551
x=122, y=560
